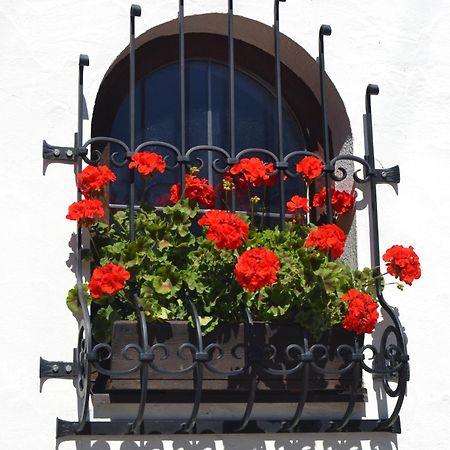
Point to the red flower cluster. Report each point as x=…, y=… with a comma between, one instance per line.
x=403, y=263
x=297, y=203
x=86, y=211
x=327, y=238
x=253, y=172
x=108, y=279
x=362, y=313
x=257, y=268
x=196, y=189
x=311, y=167
x=225, y=229
x=341, y=201
x=92, y=179
x=147, y=163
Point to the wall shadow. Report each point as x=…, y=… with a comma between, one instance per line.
x=310, y=441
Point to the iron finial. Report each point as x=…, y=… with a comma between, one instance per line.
x=135, y=11
x=83, y=60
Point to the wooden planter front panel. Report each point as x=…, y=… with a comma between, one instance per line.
x=222, y=388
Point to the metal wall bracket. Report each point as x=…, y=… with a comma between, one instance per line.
x=389, y=175
x=58, y=153
x=57, y=369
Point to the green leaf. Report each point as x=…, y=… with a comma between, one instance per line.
x=72, y=299
x=162, y=286
x=103, y=322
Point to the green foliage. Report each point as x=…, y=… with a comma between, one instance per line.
x=72, y=299
x=169, y=265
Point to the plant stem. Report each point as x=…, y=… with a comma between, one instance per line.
x=308, y=218
x=143, y=191
x=96, y=252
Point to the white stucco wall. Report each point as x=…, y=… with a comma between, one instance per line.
x=403, y=46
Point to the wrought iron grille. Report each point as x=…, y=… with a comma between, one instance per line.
x=393, y=367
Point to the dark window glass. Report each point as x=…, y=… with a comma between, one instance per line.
x=207, y=123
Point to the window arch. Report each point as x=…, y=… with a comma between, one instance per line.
x=206, y=40
x=158, y=118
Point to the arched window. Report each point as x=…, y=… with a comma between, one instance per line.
x=207, y=106
x=207, y=102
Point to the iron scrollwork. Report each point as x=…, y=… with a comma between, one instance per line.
x=389, y=360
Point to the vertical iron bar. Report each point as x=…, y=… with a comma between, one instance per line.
x=249, y=325
x=200, y=356
x=182, y=89
x=325, y=30
x=232, y=92
x=135, y=11
x=84, y=405
x=356, y=376
x=210, y=125
x=373, y=89
x=290, y=426
x=279, y=107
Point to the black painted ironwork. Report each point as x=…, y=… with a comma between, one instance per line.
x=392, y=359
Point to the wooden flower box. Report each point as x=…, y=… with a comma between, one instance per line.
x=267, y=349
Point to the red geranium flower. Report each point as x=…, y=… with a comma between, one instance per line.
x=254, y=172
x=311, y=167
x=256, y=268
x=297, y=203
x=108, y=279
x=327, y=238
x=402, y=263
x=341, y=201
x=147, y=163
x=86, y=211
x=362, y=313
x=175, y=193
x=199, y=190
x=227, y=230
x=93, y=179
x=196, y=189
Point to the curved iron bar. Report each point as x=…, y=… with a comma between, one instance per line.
x=389, y=356
x=208, y=148
x=200, y=356
x=83, y=150
x=85, y=330
x=143, y=337
x=284, y=372
x=299, y=153
x=96, y=352
x=180, y=350
x=403, y=376
x=83, y=382
x=375, y=353
x=344, y=172
x=211, y=368
x=253, y=374
x=257, y=150
x=220, y=169
x=163, y=145
x=157, y=144
x=340, y=356
x=357, y=358
x=306, y=359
